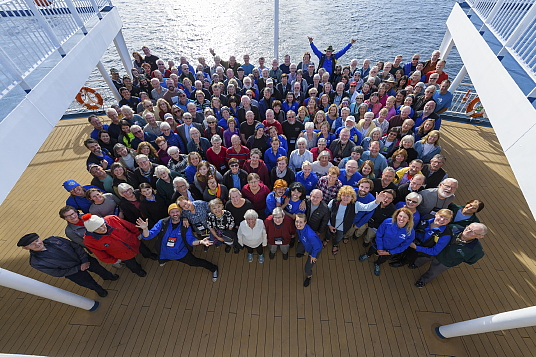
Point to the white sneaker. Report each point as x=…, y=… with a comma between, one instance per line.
x=215, y=276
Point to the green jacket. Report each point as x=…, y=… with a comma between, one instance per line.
x=454, y=254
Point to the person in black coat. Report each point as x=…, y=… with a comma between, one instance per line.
x=129, y=203
x=59, y=257
x=152, y=206
x=234, y=169
x=317, y=212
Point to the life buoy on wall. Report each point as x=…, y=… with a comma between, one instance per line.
x=89, y=98
x=473, y=110
x=43, y=2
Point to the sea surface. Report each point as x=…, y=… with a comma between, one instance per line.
x=189, y=28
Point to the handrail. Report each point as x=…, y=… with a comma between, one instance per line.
x=31, y=31
x=513, y=23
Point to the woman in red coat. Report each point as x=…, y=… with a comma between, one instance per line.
x=114, y=240
x=256, y=192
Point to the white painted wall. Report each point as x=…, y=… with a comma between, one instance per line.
x=35, y=117
x=512, y=116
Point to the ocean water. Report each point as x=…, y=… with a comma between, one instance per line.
x=189, y=28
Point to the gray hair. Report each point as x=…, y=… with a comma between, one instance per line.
x=321, y=140
x=324, y=153
x=309, y=124
x=215, y=139
x=122, y=187
x=389, y=169
x=482, y=226
x=251, y=214
x=194, y=130
x=126, y=108
x=109, y=110
x=135, y=127
x=164, y=125
x=408, y=138
x=160, y=169
x=414, y=195
x=178, y=179
x=278, y=211
x=450, y=179
x=301, y=140
x=306, y=163
x=141, y=156
x=172, y=150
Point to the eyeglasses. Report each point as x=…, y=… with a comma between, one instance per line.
x=234, y=165
x=136, y=132
x=212, y=122
x=416, y=59
x=353, y=86
x=408, y=200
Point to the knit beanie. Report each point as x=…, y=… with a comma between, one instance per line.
x=92, y=222
x=70, y=184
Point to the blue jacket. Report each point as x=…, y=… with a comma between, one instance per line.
x=355, y=135
x=271, y=202
x=329, y=63
x=293, y=207
x=424, y=234
x=310, y=240
x=190, y=172
x=309, y=183
x=390, y=237
x=419, y=147
x=178, y=249
x=149, y=137
x=363, y=217
x=95, y=132
x=352, y=181
x=175, y=140
x=270, y=159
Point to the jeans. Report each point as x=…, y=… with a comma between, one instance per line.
x=300, y=249
x=83, y=278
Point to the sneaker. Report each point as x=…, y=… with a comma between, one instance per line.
x=272, y=255
x=285, y=256
x=215, y=276
x=363, y=258
x=142, y=273
x=118, y=265
x=227, y=248
x=102, y=293
x=261, y=258
x=420, y=284
x=205, y=248
x=153, y=256
x=299, y=255
x=366, y=244
x=376, y=270
x=307, y=281
x=250, y=257
x=236, y=250
x=162, y=264
x=114, y=277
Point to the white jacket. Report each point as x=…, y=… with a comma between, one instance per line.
x=252, y=237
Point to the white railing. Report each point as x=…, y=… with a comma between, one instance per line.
x=32, y=30
x=513, y=23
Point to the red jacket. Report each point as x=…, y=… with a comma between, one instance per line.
x=258, y=199
x=286, y=231
x=120, y=242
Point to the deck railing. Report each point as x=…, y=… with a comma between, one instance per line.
x=32, y=30
x=513, y=22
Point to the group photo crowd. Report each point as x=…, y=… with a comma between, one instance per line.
x=293, y=159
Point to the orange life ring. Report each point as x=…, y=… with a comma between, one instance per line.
x=473, y=110
x=43, y=2
x=89, y=98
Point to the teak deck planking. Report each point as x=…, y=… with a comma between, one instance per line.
x=263, y=309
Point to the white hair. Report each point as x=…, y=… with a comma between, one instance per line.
x=160, y=169
x=251, y=214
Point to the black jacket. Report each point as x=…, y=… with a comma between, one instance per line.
x=61, y=258
x=318, y=220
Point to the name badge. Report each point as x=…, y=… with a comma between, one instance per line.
x=278, y=240
x=171, y=242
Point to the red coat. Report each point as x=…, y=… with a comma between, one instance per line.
x=286, y=231
x=120, y=242
x=258, y=199
x=261, y=170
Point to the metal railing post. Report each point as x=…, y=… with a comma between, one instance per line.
x=108, y=81
x=9, y=67
x=504, y=321
x=76, y=16
x=446, y=45
x=22, y=283
x=121, y=47
x=276, y=29
x=521, y=27
x=459, y=78
x=46, y=27
x=96, y=8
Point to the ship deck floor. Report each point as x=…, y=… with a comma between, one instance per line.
x=263, y=309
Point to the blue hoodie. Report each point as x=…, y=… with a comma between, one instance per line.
x=310, y=240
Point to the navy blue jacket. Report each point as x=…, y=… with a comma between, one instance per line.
x=62, y=257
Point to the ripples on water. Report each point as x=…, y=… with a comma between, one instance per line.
x=189, y=28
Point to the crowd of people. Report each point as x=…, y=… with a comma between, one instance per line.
x=245, y=156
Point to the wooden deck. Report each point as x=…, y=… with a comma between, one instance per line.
x=262, y=309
